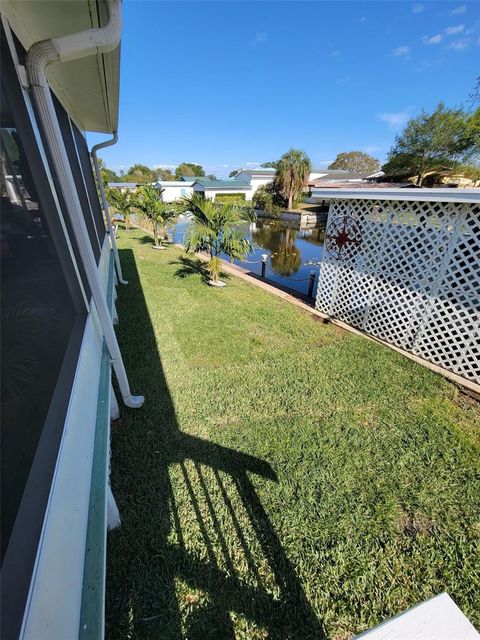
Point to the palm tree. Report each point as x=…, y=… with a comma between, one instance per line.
x=293, y=170
x=217, y=229
x=121, y=201
x=148, y=201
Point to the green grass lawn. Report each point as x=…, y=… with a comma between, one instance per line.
x=284, y=479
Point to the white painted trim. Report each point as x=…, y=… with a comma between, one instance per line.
x=418, y=195
x=53, y=605
x=436, y=619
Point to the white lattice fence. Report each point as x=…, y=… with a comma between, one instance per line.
x=407, y=272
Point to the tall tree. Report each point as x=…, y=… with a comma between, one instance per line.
x=435, y=141
x=108, y=175
x=271, y=164
x=293, y=170
x=164, y=174
x=356, y=161
x=189, y=169
x=140, y=173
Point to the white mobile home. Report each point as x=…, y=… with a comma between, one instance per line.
x=175, y=189
x=255, y=178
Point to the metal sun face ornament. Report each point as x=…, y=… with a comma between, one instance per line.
x=343, y=238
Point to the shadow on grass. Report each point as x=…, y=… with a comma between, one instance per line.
x=194, y=267
x=151, y=551
x=146, y=239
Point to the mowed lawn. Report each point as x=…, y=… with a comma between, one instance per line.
x=284, y=479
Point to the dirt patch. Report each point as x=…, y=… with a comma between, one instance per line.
x=414, y=523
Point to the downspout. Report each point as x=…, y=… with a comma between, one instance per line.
x=111, y=231
x=40, y=55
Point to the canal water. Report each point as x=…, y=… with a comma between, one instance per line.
x=292, y=252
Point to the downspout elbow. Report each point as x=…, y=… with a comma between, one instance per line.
x=75, y=45
x=108, y=143
x=111, y=231
x=39, y=56
x=86, y=43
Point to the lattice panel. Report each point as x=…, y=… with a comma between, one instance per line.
x=409, y=273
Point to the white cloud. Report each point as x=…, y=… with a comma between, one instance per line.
x=363, y=19
x=260, y=38
x=461, y=9
x=459, y=45
x=395, y=120
x=418, y=8
x=432, y=39
x=401, y=51
x=335, y=54
x=371, y=149
x=451, y=31
x=164, y=166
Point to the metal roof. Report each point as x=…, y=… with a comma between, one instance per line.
x=264, y=171
x=87, y=88
x=222, y=184
x=120, y=185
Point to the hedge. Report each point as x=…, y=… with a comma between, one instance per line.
x=230, y=198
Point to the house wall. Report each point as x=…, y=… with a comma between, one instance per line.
x=57, y=528
x=174, y=192
x=255, y=182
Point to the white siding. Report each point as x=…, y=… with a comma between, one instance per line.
x=254, y=181
x=175, y=191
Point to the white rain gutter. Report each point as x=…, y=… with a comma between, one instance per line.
x=40, y=55
x=111, y=231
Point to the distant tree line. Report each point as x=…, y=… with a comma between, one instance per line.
x=142, y=174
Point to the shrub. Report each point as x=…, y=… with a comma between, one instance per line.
x=269, y=199
x=229, y=198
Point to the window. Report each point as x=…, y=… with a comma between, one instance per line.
x=69, y=141
x=42, y=320
x=91, y=187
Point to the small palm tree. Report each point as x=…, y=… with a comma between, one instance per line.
x=121, y=201
x=293, y=170
x=161, y=214
x=216, y=229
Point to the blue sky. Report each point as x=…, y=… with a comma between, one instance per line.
x=229, y=83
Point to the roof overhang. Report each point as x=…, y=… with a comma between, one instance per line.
x=422, y=195
x=87, y=88
x=239, y=187
x=175, y=183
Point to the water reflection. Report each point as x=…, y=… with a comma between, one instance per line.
x=293, y=251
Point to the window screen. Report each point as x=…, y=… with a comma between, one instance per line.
x=42, y=319
x=87, y=170
x=68, y=139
